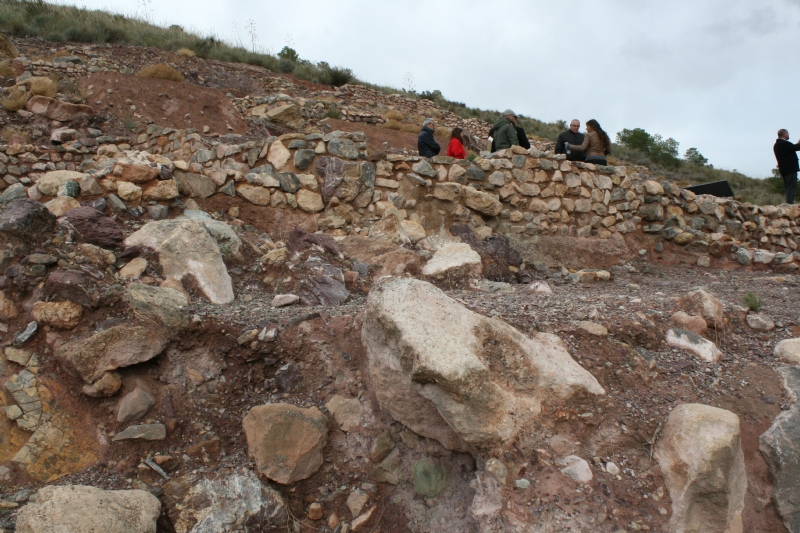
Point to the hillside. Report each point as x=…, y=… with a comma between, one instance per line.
x=234, y=299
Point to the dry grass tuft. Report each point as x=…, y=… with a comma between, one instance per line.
x=160, y=71
x=62, y=53
x=395, y=115
x=443, y=132
x=40, y=86
x=21, y=134
x=6, y=70
x=392, y=125
x=16, y=99
x=185, y=52
x=410, y=128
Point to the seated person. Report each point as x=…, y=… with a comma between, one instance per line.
x=426, y=144
x=571, y=136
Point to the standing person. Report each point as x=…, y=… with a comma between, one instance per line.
x=426, y=144
x=522, y=137
x=571, y=136
x=456, y=148
x=505, y=132
x=596, y=144
x=786, y=154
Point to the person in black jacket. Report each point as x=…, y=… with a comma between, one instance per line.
x=786, y=154
x=426, y=144
x=522, y=137
x=571, y=136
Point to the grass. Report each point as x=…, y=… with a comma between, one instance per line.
x=186, y=52
x=393, y=125
x=6, y=70
x=333, y=113
x=752, y=301
x=395, y=115
x=16, y=99
x=160, y=71
x=40, y=86
x=16, y=131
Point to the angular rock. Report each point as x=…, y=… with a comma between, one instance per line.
x=454, y=261
x=116, y=347
x=693, y=343
x=63, y=315
x=95, y=227
x=593, y=328
x=289, y=182
x=356, y=502
x=106, y=386
x=61, y=205
x=484, y=203
x=458, y=377
x=160, y=304
x=73, y=286
x=161, y=191
x=701, y=302
x=228, y=501
x=50, y=182
x=82, y=508
x=381, y=447
x=8, y=309
x=134, y=405
x=701, y=459
x=26, y=219
x=780, y=447
x=16, y=192
x=346, y=412
x=308, y=201
x=282, y=300
x=430, y=477
x=278, y=155
x=188, y=248
x=57, y=109
x=142, y=432
x=135, y=172
x=285, y=441
x=303, y=158
x=343, y=148
x=194, y=185
x=576, y=468
x=324, y=290
x=449, y=192
x=255, y=194
x=133, y=269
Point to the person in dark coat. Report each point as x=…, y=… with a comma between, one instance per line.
x=522, y=137
x=786, y=155
x=571, y=136
x=426, y=144
x=504, y=131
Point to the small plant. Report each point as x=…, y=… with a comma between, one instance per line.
x=6, y=70
x=16, y=99
x=40, y=86
x=410, y=128
x=72, y=88
x=286, y=66
x=130, y=124
x=160, y=71
x=10, y=132
x=393, y=125
x=185, y=52
x=442, y=132
x=337, y=76
x=333, y=113
x=752, y=301
x=472, y=156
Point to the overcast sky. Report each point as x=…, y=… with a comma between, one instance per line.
x=718, y=75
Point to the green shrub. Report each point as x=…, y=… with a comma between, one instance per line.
x=333, y=113
x=752, y=301
x=286, y=66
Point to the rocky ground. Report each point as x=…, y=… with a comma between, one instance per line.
x=201, y=361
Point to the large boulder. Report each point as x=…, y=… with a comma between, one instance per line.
x=693, y=343
x=73, y=286
x=345, y=180
x=482, y=202
x=788, y=351
x=454, y=261
x=703, y=303
x=458, y=377
x=80, y=508
x=95, y=227
x=26, y=219
x=194, y=185
x=116, y=347
x=780, y=446
x=50, y=182
x=223, y=502
x=163, y=305
x=701, y=459
x=189, y=248
x=286, y=441
x=58, y=109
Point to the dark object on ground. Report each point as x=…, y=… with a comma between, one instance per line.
x=26, y=218
x=496, y=253
x=301, y=240
x=95, y=227
x=721, y=189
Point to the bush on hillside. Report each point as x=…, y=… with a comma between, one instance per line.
x=185, y=52
x=41, y=86
x=6, y=70
x=160, y=71
x=16, y=99
x=393, y=114
x=286, y=66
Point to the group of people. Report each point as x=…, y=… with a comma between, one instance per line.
x=593, y=147
x=786, y=154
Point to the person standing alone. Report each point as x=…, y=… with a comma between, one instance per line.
x=786, y=154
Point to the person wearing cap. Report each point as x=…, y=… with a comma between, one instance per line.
x=426, y=144
x=505, y=132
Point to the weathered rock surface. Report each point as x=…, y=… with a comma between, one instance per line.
x=26, y=219
x=286, y=441
x=705, y=304
x=788, y=351
x=453, y=375
x=195, y=185
x=760, y=322
x=577, y=468
x=57, y=109
x=162, y=305
x=66, y=508
x=95, y=227
x=694, y=323
x=134, y=405
x=64, y=315
x=780, y=446
x=454, y=261
x=693, y=343
x=72, y=286
x=142, y=432
x=223, y=502
x=116, y=347
x=701, y=459
x=188, y=248
x=50, y=182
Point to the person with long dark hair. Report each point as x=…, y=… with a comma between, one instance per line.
x=596, y=144
x=456, y=147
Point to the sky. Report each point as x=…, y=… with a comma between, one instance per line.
x=718, y=75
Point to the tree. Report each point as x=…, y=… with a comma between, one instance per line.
x=663, y=150
x=694, y=157
x=290, y=54
x=637, y=138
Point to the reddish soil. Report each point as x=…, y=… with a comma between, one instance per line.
x=162, y=102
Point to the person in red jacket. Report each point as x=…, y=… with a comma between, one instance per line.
x=455, y=148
